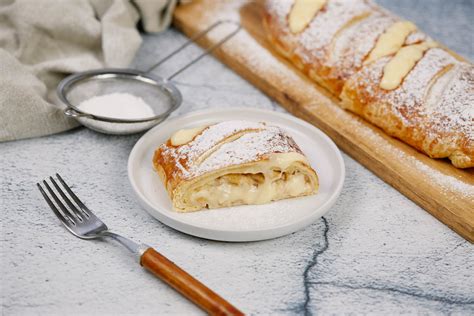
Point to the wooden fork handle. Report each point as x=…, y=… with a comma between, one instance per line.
x=184, y=283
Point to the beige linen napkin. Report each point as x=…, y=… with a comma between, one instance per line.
x=43, y=41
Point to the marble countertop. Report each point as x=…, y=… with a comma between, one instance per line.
x=374, y=252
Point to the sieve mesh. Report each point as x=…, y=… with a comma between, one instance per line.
x=158, y=97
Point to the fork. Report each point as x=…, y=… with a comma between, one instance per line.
x=81, y=222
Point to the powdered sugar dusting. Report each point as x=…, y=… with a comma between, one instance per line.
x=257, y=141
x=409, y=97
x=337, y=13
x=442, y=127
x=334, y=15
x=248, y=148
x=354, y=44
x=213, y=135
x=455, y=110
x=280, y=9
x=210, y=137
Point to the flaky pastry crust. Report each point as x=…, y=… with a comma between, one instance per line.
x=432, y=109
x=232, y=163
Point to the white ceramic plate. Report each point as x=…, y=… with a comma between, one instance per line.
x=240, y=223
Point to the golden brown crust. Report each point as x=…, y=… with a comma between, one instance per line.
x=427, y=111
x=164, y=168
x=231, y=151
x=174, y=163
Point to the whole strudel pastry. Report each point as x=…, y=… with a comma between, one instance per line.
x=232, y=163
x=382, y=68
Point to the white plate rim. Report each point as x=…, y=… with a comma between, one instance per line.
x=231, y=235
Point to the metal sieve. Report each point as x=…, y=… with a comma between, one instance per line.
x=159, y=93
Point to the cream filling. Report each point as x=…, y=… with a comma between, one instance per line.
x=402, y=63
x=257, y=186
x=223, y=192
x=302, y=13
x=391, y=40
x=184, y=136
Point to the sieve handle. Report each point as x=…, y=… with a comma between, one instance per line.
x=193, y=40
x=72, y=113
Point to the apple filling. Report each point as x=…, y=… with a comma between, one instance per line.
x=251, y=188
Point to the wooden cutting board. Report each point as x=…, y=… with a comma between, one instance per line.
x=444, y=191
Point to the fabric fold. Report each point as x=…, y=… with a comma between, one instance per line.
x=41, y=42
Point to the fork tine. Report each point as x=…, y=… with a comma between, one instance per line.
x=65, y=211
x=74, y=197
x=62, y=218
x=80, y=215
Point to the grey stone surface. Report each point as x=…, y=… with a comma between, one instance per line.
x=375, y=251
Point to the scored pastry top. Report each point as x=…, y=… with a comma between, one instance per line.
x=439, y=86
x=334, y=15
x=344, y=35
x=384, y=69
x=222, y=145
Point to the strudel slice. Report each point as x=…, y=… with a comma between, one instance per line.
x=232, y=163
